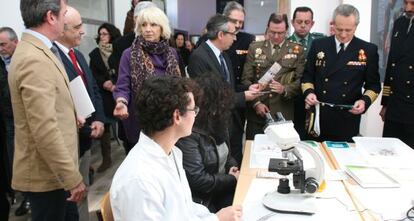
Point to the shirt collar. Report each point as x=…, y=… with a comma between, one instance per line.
x=338, y=47
x=63, y=48
x=215, y=50
x=299, y=38
x=41, y=37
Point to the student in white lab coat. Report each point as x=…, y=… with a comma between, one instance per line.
x=151, y=183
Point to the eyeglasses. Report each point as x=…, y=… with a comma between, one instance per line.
x=195, y=109
x=232, y=33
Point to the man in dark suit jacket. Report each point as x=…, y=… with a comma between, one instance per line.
x=336, y=70
x=210, y=57
x=237, y=53
x=75, y=65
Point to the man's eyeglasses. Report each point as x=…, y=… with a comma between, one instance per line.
x=232, y=33
x=195, y=109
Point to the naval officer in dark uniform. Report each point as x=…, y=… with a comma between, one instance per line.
x=398, y=94
x=336, y=69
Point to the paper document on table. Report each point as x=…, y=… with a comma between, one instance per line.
x=348, y=156
x=333, y=202
x=83, y=104
x=370, y=177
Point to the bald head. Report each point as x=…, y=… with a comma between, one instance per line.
x=73, y=31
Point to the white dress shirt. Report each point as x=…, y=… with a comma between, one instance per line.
x=150, y=185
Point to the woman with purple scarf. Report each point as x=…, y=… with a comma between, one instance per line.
x=149, y=55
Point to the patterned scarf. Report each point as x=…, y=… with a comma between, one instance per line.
x=141, y=65
x=105, y=50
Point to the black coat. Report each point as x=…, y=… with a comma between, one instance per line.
x=101, y=74
x=93, y=91
x=340, y=81
x=203, y=60
x=201, y=164
x=119, y=46
x=398, y=94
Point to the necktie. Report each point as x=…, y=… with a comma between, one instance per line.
x=303, y=43
x=224, y=70
x=276, y=49
x=341, y=51
x=75, y=65
x=56, y=52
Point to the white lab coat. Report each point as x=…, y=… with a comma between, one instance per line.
x=147, y=187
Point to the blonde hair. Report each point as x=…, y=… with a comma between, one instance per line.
x=156, y=16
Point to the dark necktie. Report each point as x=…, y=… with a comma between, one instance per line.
x=224, y=70
x=75, y=65
x=303, y=42
x=341, y=51
x=56, y=52
x=276, y=49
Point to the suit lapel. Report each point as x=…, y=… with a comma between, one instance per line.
x=340, y=63
x=70, y=70
x=41, y=46
x=212, y=57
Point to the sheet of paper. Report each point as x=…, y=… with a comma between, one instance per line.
x=333, y=202
x=83, y=104
x=262, y=150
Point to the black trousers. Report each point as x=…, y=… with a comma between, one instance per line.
x=236, y=134
x=51, y=206
x=404, y=132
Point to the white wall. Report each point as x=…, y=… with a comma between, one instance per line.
x=322, y=12
x=10, y=15
x=121, y=7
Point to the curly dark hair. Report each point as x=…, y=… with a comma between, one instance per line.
x=215, y=106
x=113, y=31
x=159, y=97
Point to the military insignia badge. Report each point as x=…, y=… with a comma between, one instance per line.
x=258, y=52
x=296, y=49
x=320, y=55
x=361, y=56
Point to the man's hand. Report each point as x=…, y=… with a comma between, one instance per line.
x=358, y=108
x=121, y=111
x=230, y=213
x=80, y=121
x=235, y=172
x=382, y=112
x=76, y=194
x=250, y=95
x=311, y=100
x=277, y=87
x=97, y=128
x=255, y=87
x=261, y=109
x=108, y=85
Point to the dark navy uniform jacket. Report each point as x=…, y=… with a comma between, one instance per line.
x=398, y=94
x=339, y=80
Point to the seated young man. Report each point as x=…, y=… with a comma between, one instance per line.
x=151, y=183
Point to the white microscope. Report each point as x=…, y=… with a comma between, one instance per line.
x=301, y=199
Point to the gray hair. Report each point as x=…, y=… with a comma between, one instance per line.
x=346, y=10
x=142, y=5
x=10, y=32
x=34, y=11
x=216, y=24
x=233, y=5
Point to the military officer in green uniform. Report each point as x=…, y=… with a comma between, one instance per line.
x=302, y=23
x=278, y=93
